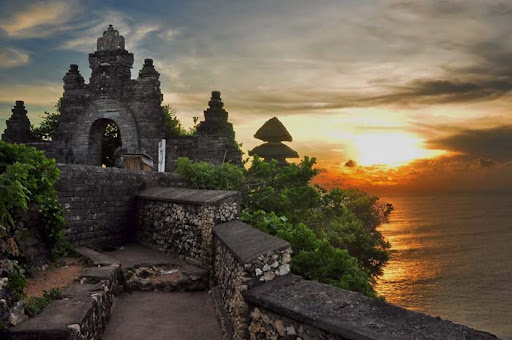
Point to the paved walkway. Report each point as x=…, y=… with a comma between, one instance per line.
x=163, y=316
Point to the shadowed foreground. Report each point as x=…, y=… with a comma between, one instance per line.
x=163, y=316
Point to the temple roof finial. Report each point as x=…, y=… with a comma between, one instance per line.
x=273, y=133
x=111, y=40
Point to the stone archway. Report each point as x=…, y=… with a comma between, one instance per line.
x=104, y=139
x=86, y=142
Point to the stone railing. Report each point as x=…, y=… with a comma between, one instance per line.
x=292, y=308
x=180, y=221
x=244, y=257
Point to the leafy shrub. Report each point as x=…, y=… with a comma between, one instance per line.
x=203, y=175
x=28, y=177
x=314, y=258
x=332, y=232
x=17, y=282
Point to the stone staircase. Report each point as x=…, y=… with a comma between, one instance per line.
x=86, y=306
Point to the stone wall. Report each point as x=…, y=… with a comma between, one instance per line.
x=180, y=146
x=268, y=325
x=244, y=258
x=100, y=202
x=180, y=221
x=290, y=307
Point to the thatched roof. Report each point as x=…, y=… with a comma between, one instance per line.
x=271, y=150
x=273, y=131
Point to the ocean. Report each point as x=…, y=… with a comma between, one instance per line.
x=452, y=257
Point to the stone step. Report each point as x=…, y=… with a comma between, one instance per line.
x=167, y=278
x=146, y=269
x=81, y=312
x=97, y=258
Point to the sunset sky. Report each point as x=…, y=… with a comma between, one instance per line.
x=388, y=95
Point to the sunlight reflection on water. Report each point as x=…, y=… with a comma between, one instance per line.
x=452, y=258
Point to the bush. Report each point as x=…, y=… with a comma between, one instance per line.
x=204, y=175
x=28, y=177
x=17, y=282
x=332, y=232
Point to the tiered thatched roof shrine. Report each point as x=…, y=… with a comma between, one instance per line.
x=274, y=133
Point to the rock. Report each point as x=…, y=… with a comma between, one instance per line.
x=284, y=269
x=3, y=282
x=256, y=314
x=254, y=327
x=280, y=327
x=258, y=272
x=269, y=276
x=75, y=328
x=17, y=314
x=290, y=330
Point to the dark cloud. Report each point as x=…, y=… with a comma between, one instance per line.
x=495, y=143
x=486, y=163
x=350, y=164
x=447, y=91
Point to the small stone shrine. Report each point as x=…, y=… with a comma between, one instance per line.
x=18, y=126
x=274, y=133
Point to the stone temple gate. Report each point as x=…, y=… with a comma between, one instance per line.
x=133, y=105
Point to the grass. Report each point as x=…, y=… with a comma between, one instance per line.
x=35, y=305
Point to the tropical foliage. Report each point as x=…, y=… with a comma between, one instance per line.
x=174, y=124
x=332, y=232
x=28, y=177
x=47, y=128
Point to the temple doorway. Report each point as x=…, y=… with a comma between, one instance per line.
x=104, y=140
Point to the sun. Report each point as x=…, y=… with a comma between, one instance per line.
x=393, y=149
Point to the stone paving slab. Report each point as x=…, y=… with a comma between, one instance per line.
x=163, y=316
x=97, y=258
x=188, y=196
x=134, y=255
x=53, y=321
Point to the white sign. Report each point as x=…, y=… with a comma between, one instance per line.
x=161, y=156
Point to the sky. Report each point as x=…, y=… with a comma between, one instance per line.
x=389, y=96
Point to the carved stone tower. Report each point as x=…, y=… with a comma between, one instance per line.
x=216, y=137
x=111, y=64
x=18, y=126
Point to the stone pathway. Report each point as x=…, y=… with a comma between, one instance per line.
x=163, y=316
x=166, y=314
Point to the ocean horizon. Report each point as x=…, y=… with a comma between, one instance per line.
x=451, y=257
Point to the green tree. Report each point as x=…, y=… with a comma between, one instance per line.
x=174, y=124
x=333, y=232
x=48, y=126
